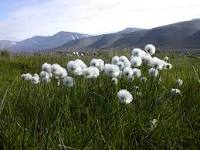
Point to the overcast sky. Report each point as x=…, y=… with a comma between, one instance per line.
x=20, y=19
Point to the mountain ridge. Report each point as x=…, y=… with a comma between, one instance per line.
x=178, y=35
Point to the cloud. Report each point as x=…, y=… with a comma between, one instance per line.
x=93, y=16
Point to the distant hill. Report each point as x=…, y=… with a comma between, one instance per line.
x=38, y=43
x=96, y=42
x=178, y=35
x=181, y=35
x=6, y=44
x=129, y=30
x=174, y=36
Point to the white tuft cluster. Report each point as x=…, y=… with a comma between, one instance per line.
x=179, y=82
x=112, y=70
x=68, y=81
x=58, y=71
x=175, y=91
x=77, y=67
x=149, y=48
x=153, y=72
x=26, y=77
x=128, y=72
x=136, y=72
x=124, y=96
x=136, y=61
x=119, y=67
x=153, y=125
x=91, y=72
x=98, y=63
x=115, y=81
x=35, y=79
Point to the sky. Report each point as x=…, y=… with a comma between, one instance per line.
x=21, y=19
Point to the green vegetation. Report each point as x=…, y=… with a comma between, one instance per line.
x=4, y=53
x=89, y=115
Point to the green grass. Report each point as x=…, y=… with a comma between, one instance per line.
x=89, y=115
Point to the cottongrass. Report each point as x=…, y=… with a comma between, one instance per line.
x=179, y=82
x=153, y=72
x=35, y=79
x=175, y=92
x=91, y=72
x=124, y=96
x=114, y=81
x=68, y=81
x=149, y=48
x=153, y=124
x=26, y=77
x=112, y=70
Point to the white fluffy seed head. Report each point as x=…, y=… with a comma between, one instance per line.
x=68, y=81
x=136, y=72
x=167, y=66
x=45, y=76
x=63, y=73
x=71, y=66
x=153, y=72
x=55, y=68
x=112, y=71
x=81, y=63
x=26, y=77
x=76, y=67
x=35, y=79
x=46, y=67
x=91, y=72
x=153, y=125
x=179, y=82
x=58, y=71
x=114, y=81
x=99, y=63
x=121, y=65
x=146, y=59
x=137, y=52
x=136, y=61
x=124, y=96
x=128, y=72
x=125, y=60
x=149, y=48
x=175, y=91
x=115, y=60
x=58, y=82
x=166, y=58
x=157, y=63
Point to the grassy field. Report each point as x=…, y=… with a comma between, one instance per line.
x=89, y=115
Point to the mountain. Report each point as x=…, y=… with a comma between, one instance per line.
x=129, y=30
x=6, y=44
x=168, y=36
x=181, y=36
x=192, y=41
x=38, y=43
x=173, y=36
x=96, y=42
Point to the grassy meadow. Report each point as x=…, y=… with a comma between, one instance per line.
x=89, y=116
